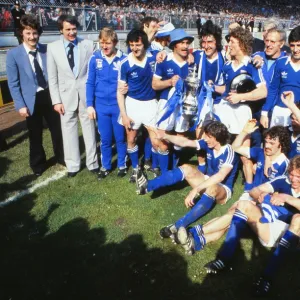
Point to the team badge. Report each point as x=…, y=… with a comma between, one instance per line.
x=99, y=63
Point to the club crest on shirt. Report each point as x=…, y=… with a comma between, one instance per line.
x=99, y=63
x=152, y=66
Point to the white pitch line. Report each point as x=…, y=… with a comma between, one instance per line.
x=30, y=190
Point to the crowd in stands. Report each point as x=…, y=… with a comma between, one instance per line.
x=126, y=14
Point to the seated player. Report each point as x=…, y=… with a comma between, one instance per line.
x=271, y=163
x=215, y=186
x=269, y=221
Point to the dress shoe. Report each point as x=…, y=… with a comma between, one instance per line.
x=95, y=170
x=72, y=174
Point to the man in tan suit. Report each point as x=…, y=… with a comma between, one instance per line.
x=67, y=61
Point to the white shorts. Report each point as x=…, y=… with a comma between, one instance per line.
x=226, y=188
x=180, y=124
x=246, y=196
x=205, y=113
x=141, y=112
x=281, y=116
x=234, y=117
x=277, y=229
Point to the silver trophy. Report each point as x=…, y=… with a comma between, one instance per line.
x=190, y=101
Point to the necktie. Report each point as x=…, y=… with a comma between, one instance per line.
x=38, y=71
x=71, y=56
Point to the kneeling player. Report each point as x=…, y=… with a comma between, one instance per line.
x=214, y=187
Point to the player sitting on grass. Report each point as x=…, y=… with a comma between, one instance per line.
x=214, y=187
x=271, y=162
x=269, y=219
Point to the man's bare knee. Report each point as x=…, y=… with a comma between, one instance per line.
x=188, y=170
x=295, y=224
x=244, y=206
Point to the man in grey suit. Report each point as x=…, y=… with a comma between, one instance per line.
x=67, y=61
x=28, y=83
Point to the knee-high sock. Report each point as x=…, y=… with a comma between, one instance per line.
x=163, y=158
x=134, y=156
x=155, y=160
x=288, y=241
x=198, y=236
x=204, y=205
x=147, y=149
x=248, y=187
x=166, y=179
x=237, y=226
x=176, y=155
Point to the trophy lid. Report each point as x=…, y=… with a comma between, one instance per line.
x=242, y=83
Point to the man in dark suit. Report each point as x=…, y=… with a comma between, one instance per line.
x=28, y=83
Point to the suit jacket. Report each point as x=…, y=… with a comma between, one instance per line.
x=65, y=87
x=21, y=79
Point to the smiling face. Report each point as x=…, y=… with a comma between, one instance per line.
x=30, y=37
x=295, y=50
x=272, y=147
x=234, y=47
x=107, y=47
x=182, y=48
x=211, y=141
x=69, y=31
x=138, y=49
x=294, y=177
x=273, y=44
x=209, y=45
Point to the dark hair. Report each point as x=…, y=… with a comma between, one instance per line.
x=211, y=29
x=294, y=35
x=147, y=21
x=283, y=136
x=31, y=22
x=294, y=164
x=245, y=39
x=219, y=131
x=135, y=35
x=66, y=18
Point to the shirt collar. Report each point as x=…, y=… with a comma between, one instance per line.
x=141, y=64
x=66, y=43
x=170, y=56
x=245, y=61
x=279, y=159
x=118, y=54
x=28, y=50
x=221, y=151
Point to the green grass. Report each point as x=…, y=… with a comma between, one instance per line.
x=83, y=239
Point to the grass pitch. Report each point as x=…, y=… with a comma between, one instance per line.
x=78, y=238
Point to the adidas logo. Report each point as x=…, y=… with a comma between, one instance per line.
x=170, y=71
x=284, y=74
x=134, y=75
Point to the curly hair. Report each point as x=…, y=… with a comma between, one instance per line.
x=294, y=164
x=283, y=136
x=211, y=29
x=219, y=131
x=245, y=39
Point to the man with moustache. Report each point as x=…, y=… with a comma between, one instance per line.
x=285, y=78
x=28, y=83
x=67, y=61
x=166, y=75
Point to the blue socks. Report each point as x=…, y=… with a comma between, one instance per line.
x=203, y=206
x=198, y=236
x=155, y=162
x=134, y=156
x=163, y=158
x=248, y=187
x=238, y=223
x=165, y=179
x=288, y=241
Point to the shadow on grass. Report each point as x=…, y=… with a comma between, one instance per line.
x=76, y=263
